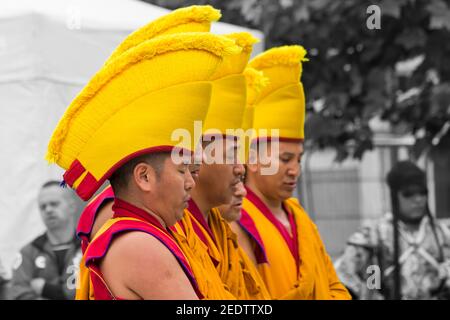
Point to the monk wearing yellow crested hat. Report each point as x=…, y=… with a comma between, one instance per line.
x=298, y=266
x=99, y=210
x=189, y=19
x=218, y=177
x=120, y=128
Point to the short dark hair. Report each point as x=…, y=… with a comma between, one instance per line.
x=120, y=178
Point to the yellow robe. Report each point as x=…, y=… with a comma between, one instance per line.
x=209, y=282
x=236, y=270
x=314, y=277
x=85, y=289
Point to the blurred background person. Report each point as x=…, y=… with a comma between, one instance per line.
x=3, y=280
x=46, y=267
x=424, y=245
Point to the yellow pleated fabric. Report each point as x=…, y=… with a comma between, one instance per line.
x=208, y=279
x=315, y=278
x=85, y=290
x=233, y=266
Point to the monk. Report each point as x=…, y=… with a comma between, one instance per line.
x=139, y=187
x=189, y=19
x=219, y=174
x=298, y=266
x=232, y=213
x=215, y=185
x=123, y=136
x=100, y=209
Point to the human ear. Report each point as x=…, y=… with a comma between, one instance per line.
x=144, y=176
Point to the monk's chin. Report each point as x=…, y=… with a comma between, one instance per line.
x=179, y=215
x=285, y=194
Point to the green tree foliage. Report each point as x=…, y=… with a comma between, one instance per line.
x=399, y=72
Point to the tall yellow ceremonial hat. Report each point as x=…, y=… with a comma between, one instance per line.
x=228, y=97
x=189, y=19
x=281, y=103
x=133, y=105
x=255, y=81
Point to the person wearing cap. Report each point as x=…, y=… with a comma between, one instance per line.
x=424, y=245
x=120, y=128
x=298, y=266
x=219, y=175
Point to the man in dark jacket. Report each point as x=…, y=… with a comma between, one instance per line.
x=47, y=267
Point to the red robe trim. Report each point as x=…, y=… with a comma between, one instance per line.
x=248, y=225
x=87, y=217
x=145, y=223
x=291, y=241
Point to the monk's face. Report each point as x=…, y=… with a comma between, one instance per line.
x=172, y=191
x=232, y=211
x=281, y=183
x=220, y=172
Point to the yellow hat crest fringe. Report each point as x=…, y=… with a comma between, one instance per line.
x=244, y=40
x=279, y=103
x=256, y=81
x=193, y=14
x=285, y=55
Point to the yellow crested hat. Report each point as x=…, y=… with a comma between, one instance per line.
x=133, y=105
x=228, y=97
x=256, y=81
x=281, y=103
x=189, y=19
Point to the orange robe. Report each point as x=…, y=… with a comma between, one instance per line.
x=298, y=266
x=209, y=282
x=236, y=270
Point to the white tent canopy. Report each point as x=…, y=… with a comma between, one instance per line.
x=48, y=50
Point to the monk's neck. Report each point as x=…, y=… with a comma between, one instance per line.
x=202, y=203
x=274, y=205
x=140, y=205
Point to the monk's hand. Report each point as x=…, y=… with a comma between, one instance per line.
x=37, y=285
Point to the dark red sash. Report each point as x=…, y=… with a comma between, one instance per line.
x=145, y=223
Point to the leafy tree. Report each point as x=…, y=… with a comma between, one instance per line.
x=399, y=73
